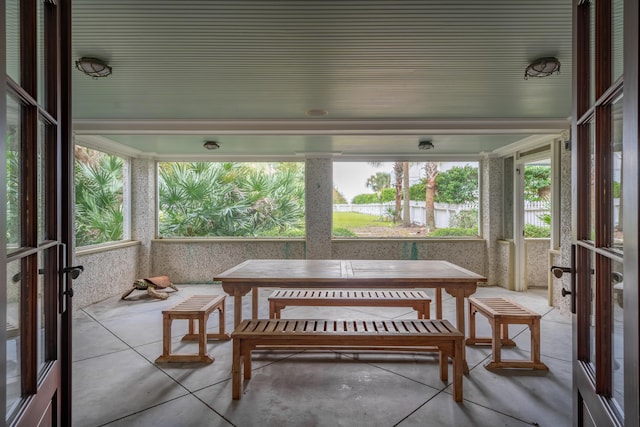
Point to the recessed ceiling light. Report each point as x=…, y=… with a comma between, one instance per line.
x=316, y=112
x=211, y=145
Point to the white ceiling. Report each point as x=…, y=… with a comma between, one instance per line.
x=388, y=73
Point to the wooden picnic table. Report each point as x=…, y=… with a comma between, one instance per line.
x=253, y=274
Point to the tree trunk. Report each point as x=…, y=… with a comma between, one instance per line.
x=397, y=170
x=431, y=170
x=406, y=210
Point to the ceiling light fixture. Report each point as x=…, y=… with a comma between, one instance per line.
x=211, y=145
x=93, y=67
x=542, y=67
x=316, y=112
x=425, y=144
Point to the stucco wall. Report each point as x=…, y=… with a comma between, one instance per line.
x=197, y=261
x=537, y=261
x=106, y=273
x=504, y=264
x=469, y=254
x=110, y=272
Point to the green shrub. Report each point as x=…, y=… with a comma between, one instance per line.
x=535, y=231
x=454, y=232
x=343, y=232
x=464, y=219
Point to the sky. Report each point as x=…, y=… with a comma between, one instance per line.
x=350, y=178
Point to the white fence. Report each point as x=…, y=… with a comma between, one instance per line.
x=443, y=211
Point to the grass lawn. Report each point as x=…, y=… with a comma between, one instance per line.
x=356, y=220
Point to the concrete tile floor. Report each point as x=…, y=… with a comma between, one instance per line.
x=117, y=383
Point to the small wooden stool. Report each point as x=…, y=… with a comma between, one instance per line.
x=501, y=312
x=196, y=307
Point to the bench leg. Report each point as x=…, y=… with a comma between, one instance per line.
x=236, y=368
x=444, y=365
x=246, y=354
x=202, y=335
x=166, y=336
x=458, y=370
x=534, y=329
x=472, y=325
x=274, y=309
x=496, y=344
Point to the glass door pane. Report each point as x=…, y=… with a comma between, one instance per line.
x=617, y=337
x=13, y=183
x=617, y=43
x=12, y=11
x=13, y=380
x=616, y=228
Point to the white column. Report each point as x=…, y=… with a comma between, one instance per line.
x=318, y=207
x=143, y=210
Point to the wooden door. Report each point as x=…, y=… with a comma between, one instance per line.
x=36, y=229
x=605, y=215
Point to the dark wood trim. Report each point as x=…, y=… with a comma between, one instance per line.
x=603, y=47
x=3, y=212
x=631, y=194
x=66, y=198
x=581, y=51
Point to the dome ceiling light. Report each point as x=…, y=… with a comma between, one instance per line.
x=542, y=67
x=93, y=67
x=211, y=145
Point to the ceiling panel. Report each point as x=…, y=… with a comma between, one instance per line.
x=378, y=60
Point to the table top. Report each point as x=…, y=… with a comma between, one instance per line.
x=355, y=273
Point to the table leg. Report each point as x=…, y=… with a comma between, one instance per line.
x=438, y=303
x=461, y=327
x=254, y=302
x=237, y=310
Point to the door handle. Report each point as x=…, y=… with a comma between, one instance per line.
x=559, y=271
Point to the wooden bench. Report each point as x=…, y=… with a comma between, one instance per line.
x=502, y=312
x=196, y=307
x=418, y=300
x=339, y=334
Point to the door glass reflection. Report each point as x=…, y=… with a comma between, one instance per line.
x=617, y=337
x=13, y=280
x=616, y=228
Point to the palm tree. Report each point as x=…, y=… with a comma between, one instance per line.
x=378, y=182
x=406, y=211
x=431, y=172
x=398, y=169
x=98, y=187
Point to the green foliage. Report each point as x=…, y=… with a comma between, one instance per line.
x=13, y=193
x=386, y=195
x=537, y=183
x=616, y=190
x=338, y=197
x=379, y=181
x=464, y=219
x=457, y=185
x=99, y=217
x=454, y=232
x=417, y=192
x=535, y=231
x=343, y=232
x=230, y=199
x=365, y=199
